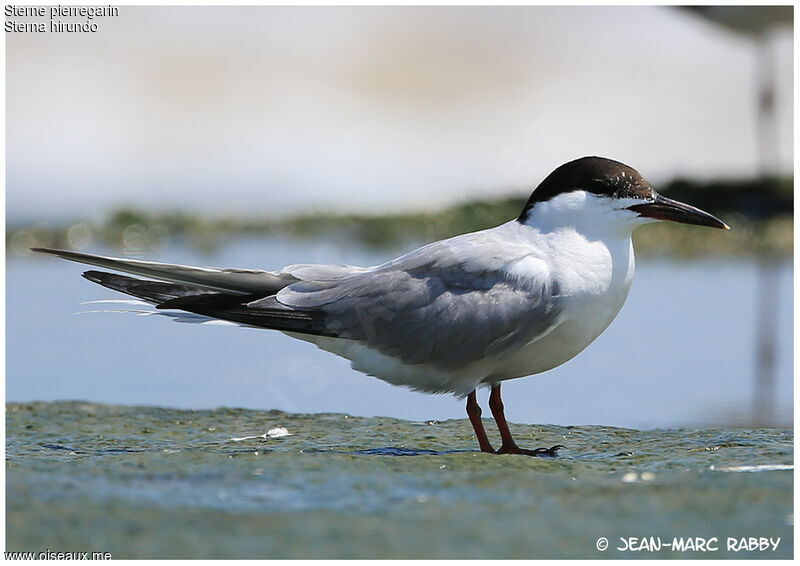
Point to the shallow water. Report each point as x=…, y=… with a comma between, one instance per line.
x=169, y=483
x=685, y=359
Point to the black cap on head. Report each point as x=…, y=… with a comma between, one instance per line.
x=596, y=175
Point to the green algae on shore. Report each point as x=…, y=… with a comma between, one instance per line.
x=151, y=482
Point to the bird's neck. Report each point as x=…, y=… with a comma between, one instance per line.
x=578, y=212
x=589, y=249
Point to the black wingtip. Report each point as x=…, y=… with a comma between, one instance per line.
x=207, y=300
x=94, y=276
x=107, y=279
x=176, y=303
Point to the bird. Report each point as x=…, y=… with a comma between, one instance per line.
x=463, y=313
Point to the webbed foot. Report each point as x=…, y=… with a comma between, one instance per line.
x=551, y=452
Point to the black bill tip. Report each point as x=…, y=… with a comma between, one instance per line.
x=663, y=208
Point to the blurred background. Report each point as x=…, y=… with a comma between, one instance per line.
x=263, y=136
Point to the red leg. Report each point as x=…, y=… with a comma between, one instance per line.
x=496, y=405
x=474, y=413
x=509, y=446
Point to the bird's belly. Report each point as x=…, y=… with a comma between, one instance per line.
x=419, y=377
x=581, y=324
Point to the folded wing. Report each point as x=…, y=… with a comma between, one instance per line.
x=447, y=304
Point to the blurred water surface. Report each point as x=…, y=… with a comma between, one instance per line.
x=681, y=352
x=147, y=482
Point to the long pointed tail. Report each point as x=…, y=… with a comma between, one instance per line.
x=237, y=281
x=245, y=297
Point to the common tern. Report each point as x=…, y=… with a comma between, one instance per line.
x=473, y=310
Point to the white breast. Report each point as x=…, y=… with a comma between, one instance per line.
x=592, y=265
x=595, y=283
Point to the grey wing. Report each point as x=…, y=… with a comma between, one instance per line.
x=447, y=304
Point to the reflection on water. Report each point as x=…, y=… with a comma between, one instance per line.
x=681, y=352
